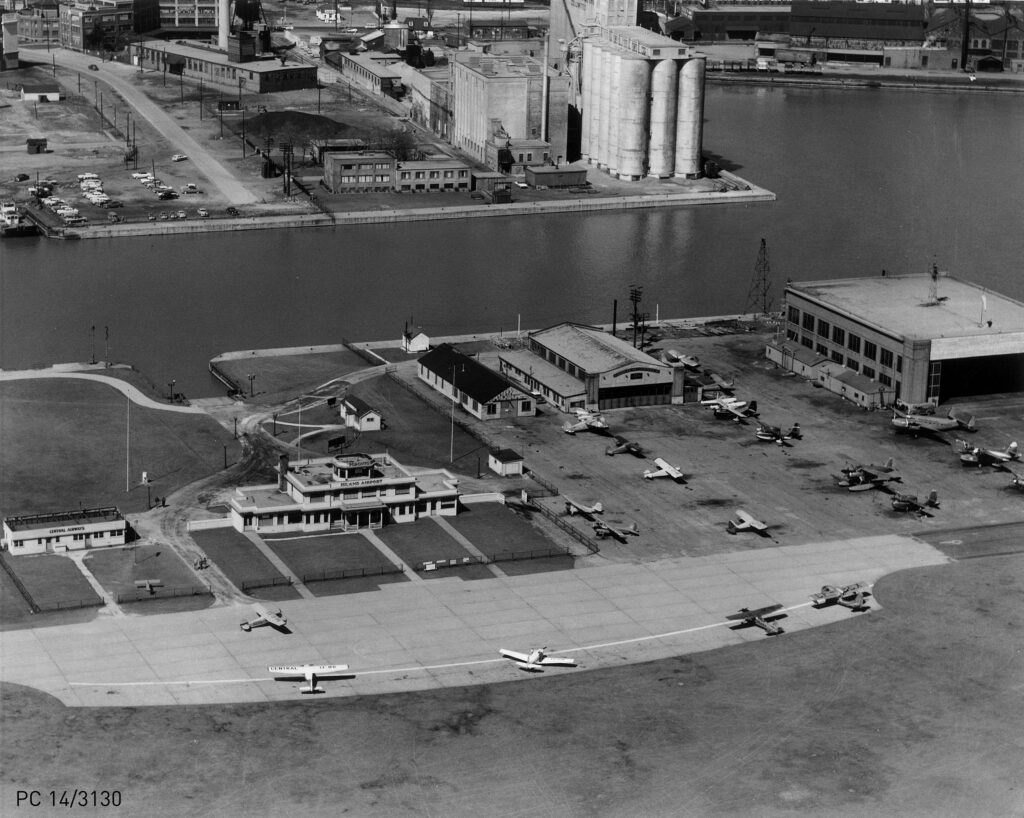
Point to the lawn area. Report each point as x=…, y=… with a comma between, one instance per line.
x=497, y=530
x=117, y=570
x=13, y=605
x=416, y=435
x=235, y=556
x=421, y=541
x=54, y=581
x=309, y=556
x=64, y=446
x=290, y=374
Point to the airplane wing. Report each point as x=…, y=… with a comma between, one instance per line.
x=274, y=619
x=747, y=614
x=650, y=475
x=751, y=522
x=558, y=661
x=514, y=655
x=571, y=428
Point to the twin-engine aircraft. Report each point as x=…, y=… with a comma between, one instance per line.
x=266, y=616
x=624, y=446
x=852, y=596
x=975, y=456
x=311, y=673
x=769, y=433
x=863, y=478
x=745, y=522
x=726, y=408
x=586, y=421
x=603, y=529
x=665, y=469
x=910, y=502
x=930, y=424
x=536, y=660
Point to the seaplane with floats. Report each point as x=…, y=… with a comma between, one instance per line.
x=624, y=446
x=978, y=457
x=149, y=585
x=312, y=673
x=864, y=478
x=536, y=660
x=852, y=596
x=774, y=434
x=726, y=408
x=603, y=530
x=759, y=618
x=910, y=502
x=266, y=617
x=930, y=424
x=572, y=508
x=746, y=522
x=677, y=358
x=665, y=469
x=586, y=421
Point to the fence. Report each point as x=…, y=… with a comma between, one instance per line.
x=264, y=582
x=366, y=354
x=590, y=544
x=504, y=556
x=69, y=604
x=348, y=573
x=206, y=525
x=141, y=594
x=18, y=583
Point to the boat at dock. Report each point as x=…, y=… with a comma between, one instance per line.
x=14, y=223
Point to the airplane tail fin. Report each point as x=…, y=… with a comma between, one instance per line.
x=598, y=508
x=731, y=527
x=752, y=408
x=969, y=425
x=889, y=464
x=569, y=428
x=633, y=529
x=795, y=432
x=1012, y=450
x=933, y=499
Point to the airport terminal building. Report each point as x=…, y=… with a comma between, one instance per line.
x=64, y=531
x=919, y=338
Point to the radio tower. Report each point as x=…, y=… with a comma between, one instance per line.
x=759, y=298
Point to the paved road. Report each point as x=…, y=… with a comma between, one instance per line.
x=117, y=77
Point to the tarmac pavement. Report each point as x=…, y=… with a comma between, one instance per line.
x=416, y=636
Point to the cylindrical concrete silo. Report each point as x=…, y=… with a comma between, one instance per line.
x=589, y=103
x=634, y=94
x=690, y=118
x=661, y=153
x=604, y=115
x=612, y=163
x=223, y=24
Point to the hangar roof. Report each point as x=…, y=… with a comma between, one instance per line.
x=899, y=305
x=593, y=350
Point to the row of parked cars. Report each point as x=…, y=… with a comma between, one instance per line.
x=92, y=189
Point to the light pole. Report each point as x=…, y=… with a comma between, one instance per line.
x=170, y=386
x=451, y=449
x=252, y=377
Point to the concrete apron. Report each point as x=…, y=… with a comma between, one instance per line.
x=447, y=632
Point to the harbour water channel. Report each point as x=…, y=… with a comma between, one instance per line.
x=867, y=179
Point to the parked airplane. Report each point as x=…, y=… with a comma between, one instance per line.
x=536, y=660
x=767, y=432
x=674, y=356
x=265, y=616
x=624, y=446
x=929, y=424
x=573, y=508
x=586, y=421
x=311, y=673
x=744, y=522
x=849, y=596
x=603, y=529
x=975, y=456
x=722, y=383
x=665, y=469
x=864, y=478
x=1016, y=480
x=732, y=409
x=149, y=584
x=909, y=502
x=759, y=618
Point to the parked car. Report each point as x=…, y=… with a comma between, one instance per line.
x=22, y=177
x=232, y=211
x=203, y=212
x=182, y=214
x=93, y=67
x=179, y=157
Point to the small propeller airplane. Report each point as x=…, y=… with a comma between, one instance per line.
x=311, y=673
x=536, y=660
x=759, y=618
x=769, y=433
x=586, y=421
x=572, y=508
x=722, y=383
x=674, y=356
x=624, y=446
x=1016, y=480
x=864, y=478
x=930, y=424
x=665, y=469
x=603, y=529
x=978, y=457
x=909, y=502
x=852, y=596
x=732, y=409
x=266, y=616
x=745, y=522
x=150, y=585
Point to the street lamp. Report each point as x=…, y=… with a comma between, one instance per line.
x=171, y=387
x=252, y=377
x=451, y=450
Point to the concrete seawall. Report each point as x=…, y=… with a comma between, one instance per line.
x=583, y=203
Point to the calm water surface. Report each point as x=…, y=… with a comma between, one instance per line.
x=866, y=180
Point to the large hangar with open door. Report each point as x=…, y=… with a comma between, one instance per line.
x=927, y=338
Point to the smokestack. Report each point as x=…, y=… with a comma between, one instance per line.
x=223, y=24
x=282, y=471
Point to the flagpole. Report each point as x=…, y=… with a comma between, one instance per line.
x=127, y=443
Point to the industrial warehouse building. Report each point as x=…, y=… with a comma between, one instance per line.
x=482, y=392
x=64, y=531
x=919, y=338
x=577, y=366
x=343, y=493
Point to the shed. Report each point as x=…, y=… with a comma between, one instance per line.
x=505, y=462
x=41, y=92
x=36, y=144
x=358, y=414
x=415, y=341
x=551, y=176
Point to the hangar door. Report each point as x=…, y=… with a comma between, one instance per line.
x=983, y=375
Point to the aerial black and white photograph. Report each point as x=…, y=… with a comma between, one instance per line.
x=477, y=408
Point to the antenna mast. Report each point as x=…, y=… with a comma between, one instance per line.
x=759, y=297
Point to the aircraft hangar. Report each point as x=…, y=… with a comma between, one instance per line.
x=930, y=337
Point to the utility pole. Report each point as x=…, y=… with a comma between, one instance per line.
x=635, y=296
x=759, y=298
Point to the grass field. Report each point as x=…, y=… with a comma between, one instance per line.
x=909, y=710
x=64, y=445
x=283, y=376
x=117, y=569
x=495, y=529
x=53, y=580
x=331, y=552
x=421, y=541
x=234, y=555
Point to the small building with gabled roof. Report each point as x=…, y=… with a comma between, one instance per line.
x=506, y=462
x=479, y=390
x=358, y=414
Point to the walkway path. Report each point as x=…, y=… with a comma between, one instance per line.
x=125, y=388
x=112, y=608
x=381, y=546
x=449, y=529
x=279, y=564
